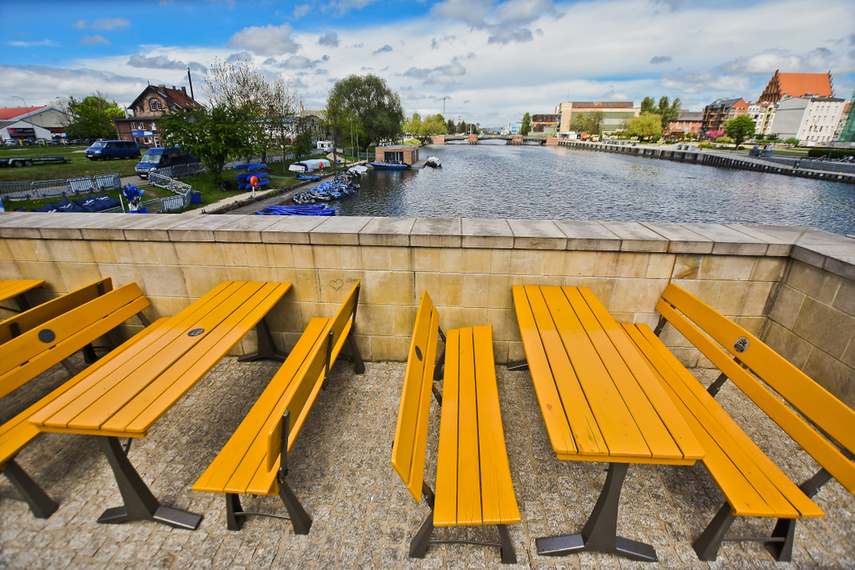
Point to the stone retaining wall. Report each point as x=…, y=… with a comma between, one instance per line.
x=794, y=287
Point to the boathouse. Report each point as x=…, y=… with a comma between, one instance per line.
x=408, y=154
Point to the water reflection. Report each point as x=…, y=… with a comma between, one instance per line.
x=493, y=181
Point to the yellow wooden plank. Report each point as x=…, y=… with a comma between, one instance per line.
x=270, y=405
x=662, y=425
x=752, y=483
x=159, y=396
x=826, y=453
x=410, y=442
x=448, y=452
x=468, y=465
x=498, y=499
x=51, y=309
x=553, y=377
x=11, y=288
x=800, y=390
x=613, y=418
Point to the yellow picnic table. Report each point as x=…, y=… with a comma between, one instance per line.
x=15, y=289
x=127, y=391
x=600, y=402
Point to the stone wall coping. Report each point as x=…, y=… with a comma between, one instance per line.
x=832, y=252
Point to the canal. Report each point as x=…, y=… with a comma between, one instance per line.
x=532, y=182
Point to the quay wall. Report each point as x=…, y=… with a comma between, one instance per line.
x=690, y=153
x=793, y=287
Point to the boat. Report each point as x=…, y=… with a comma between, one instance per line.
x=309, y=165
x=433, y=162
x=357, y=170
x=301, y=176
x=389, y=165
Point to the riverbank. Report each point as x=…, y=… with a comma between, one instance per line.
x=727, y=159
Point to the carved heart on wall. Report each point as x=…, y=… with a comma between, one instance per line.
x=336, y=284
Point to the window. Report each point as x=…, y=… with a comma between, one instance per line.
x=155, y=105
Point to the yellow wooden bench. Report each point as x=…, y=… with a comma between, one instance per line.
x=255, y=459
x=41, y=343
x=751, y=483
x=473, y=478
x=17, y=289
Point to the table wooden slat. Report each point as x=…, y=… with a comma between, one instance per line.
x=11, y=288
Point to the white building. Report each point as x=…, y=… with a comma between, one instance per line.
x=812, y=120
x=763, y=115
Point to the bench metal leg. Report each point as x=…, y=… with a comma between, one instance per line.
x=600, y=532
x=40, y=504
x=358, y=364
x=518, y=366
x=707, y=545
x=419, y=544
x=139, y=502
x=233, y=512
x=266, y=347
x=300, y=519
x=784, y=535
x=509, y=556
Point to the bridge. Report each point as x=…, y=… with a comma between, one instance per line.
x=475, y=139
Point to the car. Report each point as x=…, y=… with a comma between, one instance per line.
x=104, y=150
x=160, y=157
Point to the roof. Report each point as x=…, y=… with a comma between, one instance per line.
x=174, y=97
x=9, y=113
x=690, y=116
x=798, y=85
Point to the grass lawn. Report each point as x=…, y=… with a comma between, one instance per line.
x=79, y=166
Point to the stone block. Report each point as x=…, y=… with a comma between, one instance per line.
x=516, y=262
x=727, y=267
x=633, y=295
x=386, y=288
x=680, y=238
x=687, y=266
x=789, y=345
x=338, y=230
x=569, y=263
x=445, y=289
x=488, y=234
x=787, y=306
x=436, y=232
x=466, y=260
x=164, y=281
x=19, y=249
x=152, y=227
x=636, y=237
x=660, y=266
x=729, y=241
x=387, y=232
x=769, y=269
x=589, y=236
x=376, y=320
x=537, y=234
x=777, y=246
x=845, y=299
x=825, y=327
x=621, y=264
x=833, y=375
x=328, y=257
x=291, y=229
x=487, y=290
x=243, y=228
x=814, y=282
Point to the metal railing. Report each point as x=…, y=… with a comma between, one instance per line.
x=16, y=190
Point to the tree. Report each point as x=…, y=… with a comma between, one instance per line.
x=302, y=145
x=587, y=123
x=668, y=112
x=92, y=117
x=648, y=105
x=450, y=126
x=646, y=125
x=367, y=97
x=424, y=129
x=526, y=125
x=214, y=135
x=740, y=128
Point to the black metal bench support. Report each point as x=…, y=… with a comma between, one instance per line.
x=40, y=504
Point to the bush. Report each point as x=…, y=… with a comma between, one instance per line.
x=791, y=141
x=724, y=140
x=827, y=152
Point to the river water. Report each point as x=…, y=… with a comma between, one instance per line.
x=550, y=183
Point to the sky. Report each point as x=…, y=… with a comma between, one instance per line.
x=482, y=61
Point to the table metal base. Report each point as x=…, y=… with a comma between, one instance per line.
x=140, y=503
x=600, y=532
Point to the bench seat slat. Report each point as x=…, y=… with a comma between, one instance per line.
x=499, y=501
x=752, y=484
x=448, y=453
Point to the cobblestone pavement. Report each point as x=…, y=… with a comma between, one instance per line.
x=362, y=514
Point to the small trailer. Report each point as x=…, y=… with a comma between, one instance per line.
x=19, y=161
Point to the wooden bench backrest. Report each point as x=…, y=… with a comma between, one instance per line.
x=314, y=370
x=28, y=355
x=692, y=317
x=410, y=445
x=28, y=320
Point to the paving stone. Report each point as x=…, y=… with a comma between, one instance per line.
x=363, y=516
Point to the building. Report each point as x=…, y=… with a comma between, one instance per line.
x=45, y=122
x=797, y=85
x=720, y=111
x=846, y=134
x=686, y=123
x=544, y=123
x=812, y=120
x=154, y=102
x=408, y=154
x=763, y=114
x=615, y=113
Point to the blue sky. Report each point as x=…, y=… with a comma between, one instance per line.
x=486, y=61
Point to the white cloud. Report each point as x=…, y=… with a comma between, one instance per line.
x=329, y=39
x=94, y=40
x=103, y=24
x=268, y=40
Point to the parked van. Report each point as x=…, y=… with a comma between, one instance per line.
x=160, y=157
x=112, y=149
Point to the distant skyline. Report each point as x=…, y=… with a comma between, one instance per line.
x=485, y=61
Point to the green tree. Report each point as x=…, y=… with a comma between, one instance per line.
x=450, y=127
x=648, y=105
x=92, y=117
x=587, y=123
x=214, y=135
x=302, y=145
x=526, y=125
x=740, y=128
x=645, y=126
x=424, y=129
x=668, y=112
x=370, y=99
